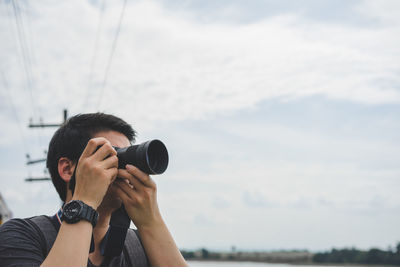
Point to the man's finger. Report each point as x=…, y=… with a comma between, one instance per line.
x=126, y=189
x=144, y=178
x=110, y=162
x=104, y=151
x=112, y=172
x=133, y=180
x=92, y=146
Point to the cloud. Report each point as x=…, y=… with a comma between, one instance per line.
x=221, y=203
x=168, y=66
x=385, y=12
x=27, y=199
x=202, y=86
x=254, y=199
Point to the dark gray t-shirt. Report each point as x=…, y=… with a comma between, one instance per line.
x=21, y=244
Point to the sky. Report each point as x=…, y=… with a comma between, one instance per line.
x=281, y=118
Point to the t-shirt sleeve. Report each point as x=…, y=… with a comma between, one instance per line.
x=20, y=244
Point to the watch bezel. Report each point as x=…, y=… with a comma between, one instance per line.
x=72, y=217
x=83, y=212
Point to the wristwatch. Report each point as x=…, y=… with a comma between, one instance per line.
x=76, y=210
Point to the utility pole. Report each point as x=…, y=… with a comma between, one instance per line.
x=44, y=125
x=37, y=179
x=31, y=162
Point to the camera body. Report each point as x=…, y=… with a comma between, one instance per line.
x=150, y=157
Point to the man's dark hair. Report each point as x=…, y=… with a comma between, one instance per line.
x=72, y=137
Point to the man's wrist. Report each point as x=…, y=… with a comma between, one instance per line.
x=155, y=224
x=91, y=203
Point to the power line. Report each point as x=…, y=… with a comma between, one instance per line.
x=27, y=24
x=114, y=45
x=24, y=52
x=11, y=15
x=27, y=43
x=14, y=111
x=94, y=56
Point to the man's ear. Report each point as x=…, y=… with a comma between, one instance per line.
x=66, y=168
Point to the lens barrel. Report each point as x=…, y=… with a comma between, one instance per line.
x=151, y=157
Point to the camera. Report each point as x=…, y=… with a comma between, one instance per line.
x=151, y=157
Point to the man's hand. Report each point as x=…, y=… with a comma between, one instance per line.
x=96, y=170
x=138, y=192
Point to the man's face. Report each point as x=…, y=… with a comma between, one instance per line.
x=116, y=138
x=111, y=202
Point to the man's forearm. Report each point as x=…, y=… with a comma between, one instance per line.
x=138, y=192
x=160, y=246
x=71, y=247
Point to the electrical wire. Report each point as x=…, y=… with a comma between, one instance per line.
x=94, y=56
x=114, y=45
x=25, y=53
x=26, y=57
x=32, y=63
x=14, y=110
x=27, y=24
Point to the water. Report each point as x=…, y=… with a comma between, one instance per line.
x=238, y=264
x=246, y=264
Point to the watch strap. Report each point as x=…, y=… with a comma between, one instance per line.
x=86, y=212
x=89, y=214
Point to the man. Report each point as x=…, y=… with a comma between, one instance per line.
x=83, y=146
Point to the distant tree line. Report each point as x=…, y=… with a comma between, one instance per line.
x=200, y=254
x=372, y=256
x=292, y=256
x=335, y=256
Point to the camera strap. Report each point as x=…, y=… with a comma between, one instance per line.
x=113, y=242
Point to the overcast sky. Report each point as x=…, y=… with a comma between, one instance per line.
x=281, y=118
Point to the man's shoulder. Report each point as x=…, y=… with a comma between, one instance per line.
x=21, y=222
x=20, y=227
x=15, y=223
x=20, y=239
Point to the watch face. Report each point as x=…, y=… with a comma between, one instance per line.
x=72, y=210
